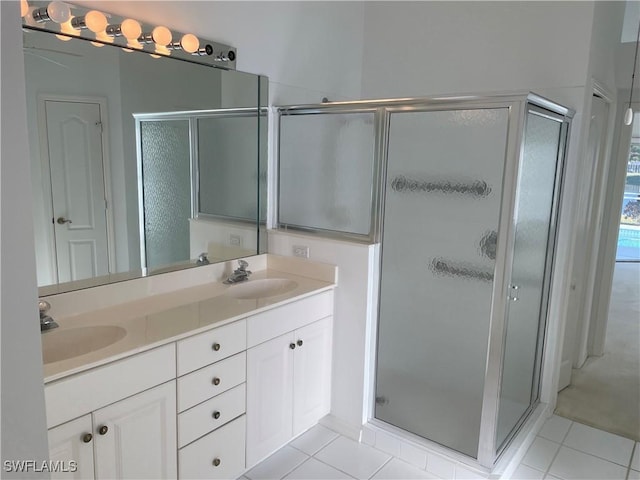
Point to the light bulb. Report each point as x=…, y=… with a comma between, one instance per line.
x=190, y=43
x=130, y=29
x=97, y=44
x=58, y=12
x=153, y=55
x=64, y=38
x=96, y=21
x=161, y=36
x=24, y=7
x=628, y=116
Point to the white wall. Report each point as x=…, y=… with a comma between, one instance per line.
x=22, y=401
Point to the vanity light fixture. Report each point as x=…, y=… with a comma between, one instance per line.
x=189, y=43
x=94, y=20
x=160, y=35
x=57, y=12
x=628, y=115
x=129, y=29
x=24, y=8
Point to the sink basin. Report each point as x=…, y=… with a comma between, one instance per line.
x=263, y=288
x=63, y=344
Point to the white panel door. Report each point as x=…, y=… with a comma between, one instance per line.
x=136, y=437
x=72, y=441
x=311, y=375
x=269, y=397
x=74, y=137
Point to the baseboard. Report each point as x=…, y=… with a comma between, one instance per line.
x=564, y=379
x=340, y=426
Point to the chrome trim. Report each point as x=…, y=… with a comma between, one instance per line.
x=143, y=248
x=186, y=114
x=194, y=164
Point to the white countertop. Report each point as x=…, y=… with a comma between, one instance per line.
x=160, y=319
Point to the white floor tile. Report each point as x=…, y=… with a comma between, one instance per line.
x=399, y=470
x=463, y=473
x=602, y=444
x=439, y=466
x=541, y=453
x=634, y=475
x=571, y=464
x=311, y=441
x=527, y=473
x=277, y=465
x=356, y=459
x=635, y=461
x=414, y=455
x=551, y=477
x=555, y=428
x=312, y=469
x=387, y=444
x=368, y=436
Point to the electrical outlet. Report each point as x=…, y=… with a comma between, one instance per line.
x=235, y=240
x=301, y=251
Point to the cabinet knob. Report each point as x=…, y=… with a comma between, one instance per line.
x=103, y=430
x=216, y=462
x=299, y=343
x=292, y=345
x=87, y=437
x=216, y=414
x=216, y=347
x=215, y=381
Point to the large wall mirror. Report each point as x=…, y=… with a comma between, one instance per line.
x=139, y=164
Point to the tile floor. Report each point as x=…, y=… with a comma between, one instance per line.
x=562, y=450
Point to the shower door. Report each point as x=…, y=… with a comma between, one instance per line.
x=442, y=206
x=537, y=196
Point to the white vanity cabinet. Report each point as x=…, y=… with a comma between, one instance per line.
x=132, y=438
x=289, y=376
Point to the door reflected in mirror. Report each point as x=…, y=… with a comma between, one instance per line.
x=139, y=164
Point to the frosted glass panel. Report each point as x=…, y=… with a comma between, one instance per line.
x=536, y=184
x=442, y=206
x=326, y=171
x=228, y=166
x=166, y=191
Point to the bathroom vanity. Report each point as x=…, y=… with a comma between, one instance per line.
x=203, y=382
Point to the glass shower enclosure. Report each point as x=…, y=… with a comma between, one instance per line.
x=466, y=195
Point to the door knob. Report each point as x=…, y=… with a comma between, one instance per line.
x=216, y=462
x=87, y=437
x=299, y=342
x=215, y=381
x=62, y=220
x=103, y=430
x=216, y=346
x=216, y=415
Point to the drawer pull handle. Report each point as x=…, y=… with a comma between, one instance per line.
x=215, y=381
x=87, y=437
x=216, y=462
x=216, y=415
x=292, y=345
x=103, y=430
x=299, y=343
x=216, y=347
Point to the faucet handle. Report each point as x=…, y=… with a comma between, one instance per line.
x=243, y=264
x=43, y=306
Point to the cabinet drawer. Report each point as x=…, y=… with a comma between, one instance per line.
x=226, y=445
x=109, y=383
x=211, y=414
x=276, y=322
x=212, y=346
x=209, y=381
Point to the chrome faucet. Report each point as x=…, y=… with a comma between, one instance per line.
x=46, y=321
x=203, y=259
x=240, y=274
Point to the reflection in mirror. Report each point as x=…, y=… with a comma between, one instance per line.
x=139, y=164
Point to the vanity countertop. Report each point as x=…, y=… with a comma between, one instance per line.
x=160, y=319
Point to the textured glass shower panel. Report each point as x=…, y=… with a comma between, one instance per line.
x=166, y=167
x=534, y=203
x=442, y=204
x=228, y=166
x=326, y=171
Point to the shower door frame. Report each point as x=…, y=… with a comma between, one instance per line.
x=518, y=106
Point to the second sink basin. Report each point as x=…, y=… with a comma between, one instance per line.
x=60, y=345
x=262, y=288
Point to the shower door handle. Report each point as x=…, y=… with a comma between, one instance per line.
x=513, y=293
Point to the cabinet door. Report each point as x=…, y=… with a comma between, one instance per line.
x=269, y=397
x=72, y=442
x=140, y=436
x=311, y=374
